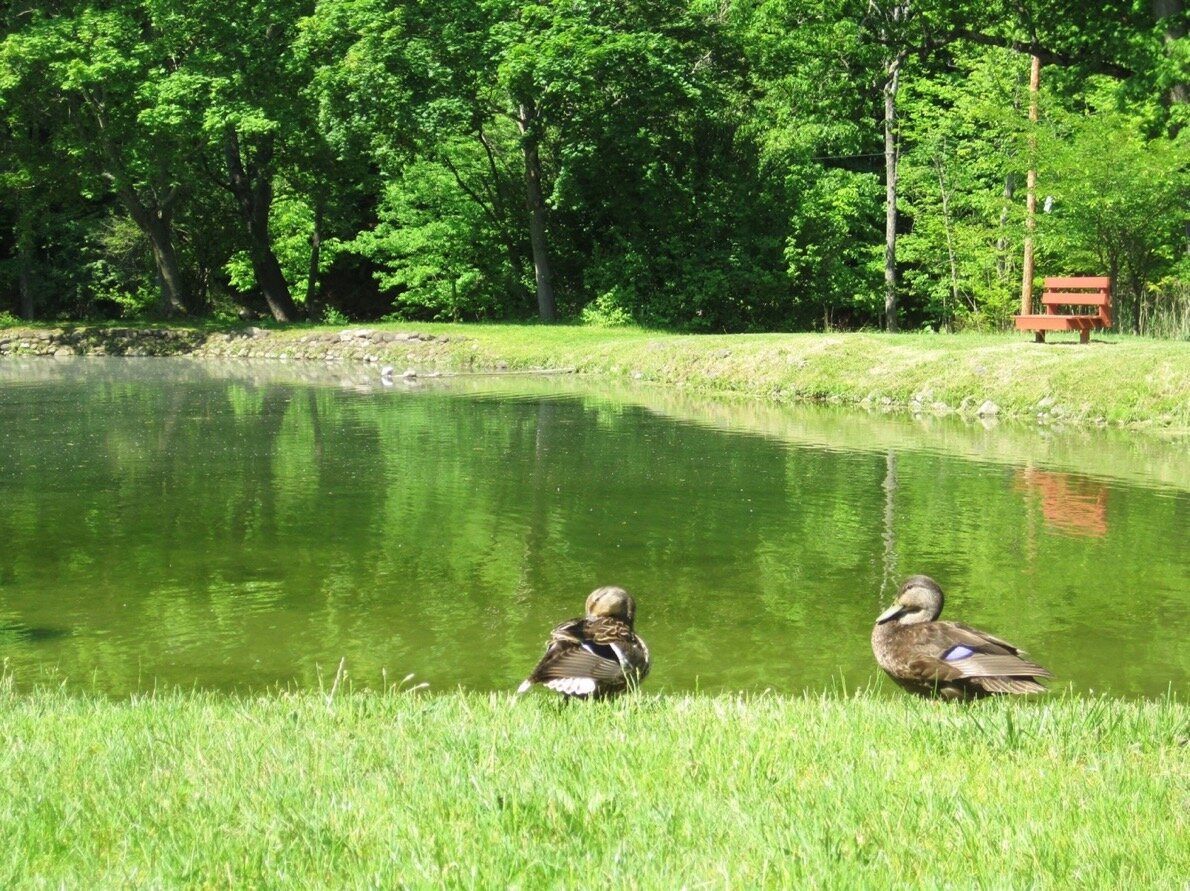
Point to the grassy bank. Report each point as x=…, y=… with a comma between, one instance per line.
x=463, y=790
x=1114, y=380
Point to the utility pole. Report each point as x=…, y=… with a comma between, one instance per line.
x=1031, y=191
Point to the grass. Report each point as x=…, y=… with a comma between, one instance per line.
x=1117, y=380
x=475, y=790
x=1113, y=380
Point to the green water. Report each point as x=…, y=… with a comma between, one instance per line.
x=238, y=527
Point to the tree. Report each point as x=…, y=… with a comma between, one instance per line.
x=658, y=206
x=80, y=75
x=699, y=165
x=1126, y=227
x=411, y=90
x=892, y=18
x=241, y=54
x=596, y=142
x=965, y=138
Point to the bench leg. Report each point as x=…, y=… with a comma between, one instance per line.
x=1039, y=337
x=1084, y=336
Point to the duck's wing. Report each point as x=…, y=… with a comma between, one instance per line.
x=950, y=651
x=586, y=655
x=564, y=636
x=567, y=633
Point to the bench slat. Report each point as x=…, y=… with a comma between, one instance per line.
x=1067, y=298
x=1078, y=281
x=1056, y=323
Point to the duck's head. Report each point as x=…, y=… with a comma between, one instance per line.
x=612, y=603
x=919, y=600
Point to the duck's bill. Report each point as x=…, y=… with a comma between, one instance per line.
x=891, y=613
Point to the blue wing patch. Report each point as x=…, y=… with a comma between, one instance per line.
x=957, y=652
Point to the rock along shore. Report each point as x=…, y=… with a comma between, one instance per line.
x=352, y=345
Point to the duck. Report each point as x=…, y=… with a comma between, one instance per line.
x=597, y=656
x=948, y=660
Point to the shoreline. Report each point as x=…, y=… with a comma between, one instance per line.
x=1122, y=383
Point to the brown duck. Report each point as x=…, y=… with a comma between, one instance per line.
x=597, y=656
x=946, y=659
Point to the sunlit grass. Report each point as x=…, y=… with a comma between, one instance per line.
x=399, y=789
x=1112, y=380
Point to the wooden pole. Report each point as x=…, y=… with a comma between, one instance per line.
x=1031, y=191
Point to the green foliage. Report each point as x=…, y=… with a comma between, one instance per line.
x=1130, y=226
x=608, y=310
x=703, y=166
x=963, y=184
x=835, y=268
x=332, y=316
x=433, y=247
x=291, y=223
x=963, y=188
x=121, y=273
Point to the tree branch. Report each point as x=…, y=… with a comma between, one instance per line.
x=1047, y=56
x=470, y=192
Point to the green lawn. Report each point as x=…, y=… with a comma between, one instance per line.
x=1112, y=380
x=466, y=790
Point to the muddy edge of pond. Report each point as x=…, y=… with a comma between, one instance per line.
x=417, y=353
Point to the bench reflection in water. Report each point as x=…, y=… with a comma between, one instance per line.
x=1069, y=503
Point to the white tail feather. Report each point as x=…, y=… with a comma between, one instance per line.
x=572, y=686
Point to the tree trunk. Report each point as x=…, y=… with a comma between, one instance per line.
x=315, y=260
x=174, y=296
x=156, y=221
x=1003, y=260
x=1173, y=11
x=253, y=191
x=535, y=201
x=891, y=85
x=26, y=239
x=948, y=228
x=1030, y=190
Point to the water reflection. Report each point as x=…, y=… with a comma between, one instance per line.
x=239, y=525
x=1069, y=503
x=17, y=632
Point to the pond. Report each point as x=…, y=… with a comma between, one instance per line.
x=244, y=527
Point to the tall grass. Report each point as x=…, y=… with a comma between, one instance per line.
x=1165, y=311
x=462, y=790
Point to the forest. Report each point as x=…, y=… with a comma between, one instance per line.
x=694, y=165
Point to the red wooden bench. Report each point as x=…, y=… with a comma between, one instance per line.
x=1090, y=293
